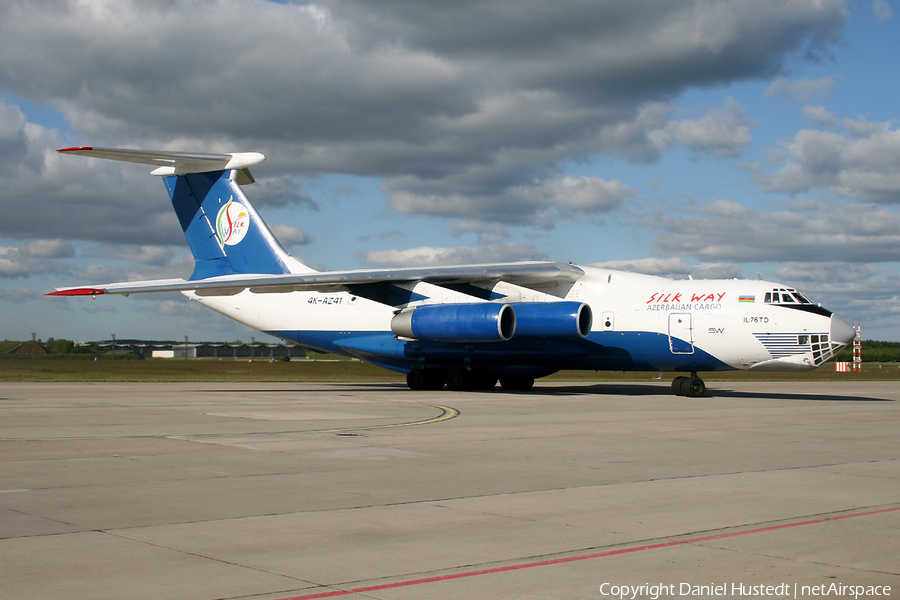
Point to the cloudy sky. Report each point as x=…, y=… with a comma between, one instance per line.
x=712, y=138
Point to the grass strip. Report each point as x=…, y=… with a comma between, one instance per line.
x=228, y=370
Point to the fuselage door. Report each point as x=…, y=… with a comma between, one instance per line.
x=681, y=337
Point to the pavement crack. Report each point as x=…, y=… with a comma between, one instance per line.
x=204, y=556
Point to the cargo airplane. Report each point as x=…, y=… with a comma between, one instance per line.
x=466, y=327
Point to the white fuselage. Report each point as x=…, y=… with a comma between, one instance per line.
x=660, y=323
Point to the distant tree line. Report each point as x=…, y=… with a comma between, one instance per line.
x=52, y=346
x=873, y=351
x=139, y=349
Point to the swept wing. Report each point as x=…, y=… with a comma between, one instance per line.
x=525, y=274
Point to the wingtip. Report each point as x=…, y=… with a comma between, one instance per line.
x=76, y=292
x=76, y=148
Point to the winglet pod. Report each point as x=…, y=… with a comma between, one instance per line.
x=76, y=292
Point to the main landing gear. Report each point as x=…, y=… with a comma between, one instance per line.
x=692, y=386
x=462, y=379
x=426, y=379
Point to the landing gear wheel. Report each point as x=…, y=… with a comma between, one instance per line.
x=415, y=379
x=692, y=387
x=515, y=384
x=425, y=379
x=457, y=380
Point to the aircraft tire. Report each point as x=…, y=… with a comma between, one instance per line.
x=425, y=379
x=676, y=385
x=516, y=384
x=457, y=380
x=693, y=387
x=415, y=379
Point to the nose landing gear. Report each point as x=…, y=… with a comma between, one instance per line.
x=692, y=386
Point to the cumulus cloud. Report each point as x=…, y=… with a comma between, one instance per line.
x=136, y=264
x=722, y=132
x=475, y=103
x=539, y=204
x=466, y=111
x=12, y=263
x=802, y=90
x=825, y=272
x=882, y=10
x=19, y=296
x=145, y=255
x=487, y=233
x=47, y=249
x=49, y=196
x=675, y=268
x=873, y=301
x=809, y=232
x=427, y=256
x=289, y=236
x=37, y=257
x=854, y=158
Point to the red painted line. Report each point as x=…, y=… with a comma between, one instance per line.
x=568, y=559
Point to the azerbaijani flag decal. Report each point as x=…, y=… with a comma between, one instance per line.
x=746, y=298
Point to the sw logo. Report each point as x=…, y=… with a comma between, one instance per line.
x=232, y=223
x=716, y=330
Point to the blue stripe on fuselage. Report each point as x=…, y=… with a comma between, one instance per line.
x=602, y=351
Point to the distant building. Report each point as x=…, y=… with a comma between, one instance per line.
x=170, y=349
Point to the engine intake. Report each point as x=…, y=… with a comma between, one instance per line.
x=480, y=322
x=553, y=319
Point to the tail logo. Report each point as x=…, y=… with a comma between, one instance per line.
x=232, y=222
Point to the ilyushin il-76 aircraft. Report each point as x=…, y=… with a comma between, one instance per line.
x=466, y=327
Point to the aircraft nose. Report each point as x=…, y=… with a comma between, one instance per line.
x=841, y=331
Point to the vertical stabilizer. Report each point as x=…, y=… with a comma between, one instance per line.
x=223, y=230
x=225, y=233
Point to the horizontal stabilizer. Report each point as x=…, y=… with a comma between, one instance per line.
x=178, y=163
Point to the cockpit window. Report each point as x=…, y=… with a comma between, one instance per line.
x=785, y=296
x=793, y=299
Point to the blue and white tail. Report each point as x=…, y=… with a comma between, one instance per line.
x=225, y=233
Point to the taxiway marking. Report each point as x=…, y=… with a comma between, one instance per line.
x=580, y=557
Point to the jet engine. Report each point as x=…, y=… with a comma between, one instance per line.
x=553, y=319
x=480, y=322
x=493, y=322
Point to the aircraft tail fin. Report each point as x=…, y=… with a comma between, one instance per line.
x=225, y=233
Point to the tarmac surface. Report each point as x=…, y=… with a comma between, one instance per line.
x=569, y=491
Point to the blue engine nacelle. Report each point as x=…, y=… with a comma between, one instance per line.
x=493, y=322
x=572, y=320
x=480, y=322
